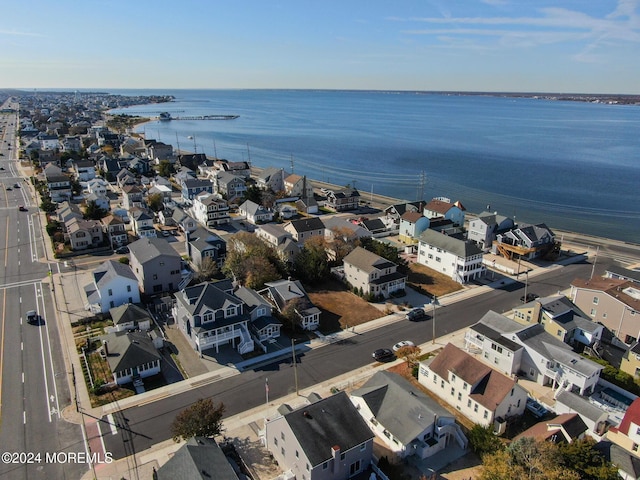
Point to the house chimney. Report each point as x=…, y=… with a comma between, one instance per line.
x=335, y=454
x=106, y=348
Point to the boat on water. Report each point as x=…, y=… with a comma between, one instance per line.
x=190, y=137
x=164, y=116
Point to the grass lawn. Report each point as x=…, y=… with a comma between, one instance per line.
x=430, y=281
x=341, y=308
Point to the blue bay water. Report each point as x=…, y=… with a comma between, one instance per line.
x=572, y=165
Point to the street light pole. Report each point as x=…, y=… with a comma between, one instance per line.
x=433, y=319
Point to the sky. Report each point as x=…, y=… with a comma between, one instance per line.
x=581, y=46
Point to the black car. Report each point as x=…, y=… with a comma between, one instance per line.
x=122, y=250
x=529, y=298
x=383, y=355
x=416, y=314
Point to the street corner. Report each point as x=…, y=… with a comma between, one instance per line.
x=71, y=415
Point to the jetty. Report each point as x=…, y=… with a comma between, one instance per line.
x=166, y=116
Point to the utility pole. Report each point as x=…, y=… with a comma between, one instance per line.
x=291, y=164
x=434, y=301
x=295, y=367
x=593, y=267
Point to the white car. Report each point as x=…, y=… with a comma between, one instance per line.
x=402, y=344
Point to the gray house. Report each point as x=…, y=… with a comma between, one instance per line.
x=326, y=440
x=405, y=420
x=198, y=458
x=281, y=292
x=202, y=244
x=131, y=355
x=156, y=265
x=373, y=274
x=483, y=229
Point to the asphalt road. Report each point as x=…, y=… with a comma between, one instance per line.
x=139, y=428
x=33, y=377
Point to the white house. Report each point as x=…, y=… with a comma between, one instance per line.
x=113, y=284
x=255, y=213
x=482, y=394
x=460, y=260
x=211, y=210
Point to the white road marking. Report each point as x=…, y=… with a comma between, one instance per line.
x=112, y=425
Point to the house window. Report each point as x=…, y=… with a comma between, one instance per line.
x=518, y=404
x=155, y=276
x=486, y=414
x=110, y=293
x=453, y=377
x=475, y=407
x=593, y=312
x=595, y=300
x=469, y=403
x=282, y=435
x=282, y=451
x=342, y=456
x=297, y=454
x=464, y=386
x=459, y=396
x=635, y=447
x=441, y=383
x=363, y=447
x=438, y=259
x=325, y=465
x=559, y=333
x=453, y=391
x=128, y=288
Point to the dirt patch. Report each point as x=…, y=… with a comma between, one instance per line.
x=430, y=281
x=341, y=308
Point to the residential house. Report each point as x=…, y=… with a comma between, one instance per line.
x=615, y=303
x=373, y=275
x=241, y=169
x=408, y=422
x=460, y=260
x=631, y=360
x=305, y=228
x=542, y=358
x=482, y=394
x=230, y=185
x=164, y=191
x=202, y=244
x=182, y=220
x=211, y=210
x=565, y=428
x=298, y=186
x=442, y=207
x=343, y=199
x=143, y=224
x=336, y=226
x=131, y=355
x=155, y=264
x=192, y=187
x=129, y=316
x=98, y=186
x=307, y=205
x=255, y=213
x=132, y=146
x=197, y=458
x=71, y=144
x=561, y=318
x=158, y=151
x=627, y=434
x=412, y=224
x=280, y=239
x=48, y=142
x=271, y=179
x=526, y=242
x=185, y=173
x=484, y=228
x=132, y=196
x=311, y=442
x=627, y=463
x=84, y=234
x=393, y=213
x=58, y=183
x=282, y=292
x=66, y=211
x=101, y=201
x=116, y=230
x=84, y=170
x=375, y=226
x=211, y=316
x=125, y=178
x=113, y=284
x=191, y=161
x=264, y=326
x=631, y=273
x=594, y=417
x=141, y=166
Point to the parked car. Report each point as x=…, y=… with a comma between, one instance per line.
x=402, y=344
x=416, y=315
x=32, y=316
x=22, y=208
x=529, y=298
x=535, y=408
x=122, y=250
x=16, y=185
x=165, y=233
x=383, y=355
